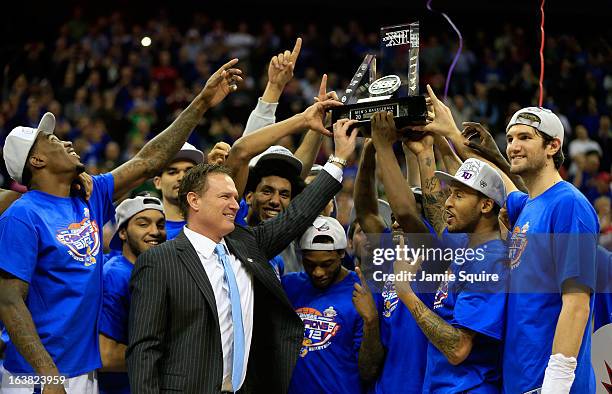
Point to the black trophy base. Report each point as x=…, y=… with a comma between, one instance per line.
x=407, y=111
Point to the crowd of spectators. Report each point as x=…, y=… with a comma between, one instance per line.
x=111, y=92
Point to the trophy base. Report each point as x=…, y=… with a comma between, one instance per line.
x=407, y=111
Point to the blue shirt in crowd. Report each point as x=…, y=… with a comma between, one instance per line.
x=55, y=245
x=554, y=238
x=173, y=228
x=476, y=306
x=332, y=337
x=114, y=318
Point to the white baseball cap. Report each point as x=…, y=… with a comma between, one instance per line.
x=129, y=208
x=548, y=122
x=384, y=211
x=191, y=153
x=324, y=225
x=277, y=152
x=19, y=143
x=479, y=176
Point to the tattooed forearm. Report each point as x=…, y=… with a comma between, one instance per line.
x=448, y=339
x=18, y=322
x=161, y=149
x=156, y=154
x=371, y=352
x=433, y=206
x=433, y=196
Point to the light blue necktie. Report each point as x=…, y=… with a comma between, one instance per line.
x=234, y=294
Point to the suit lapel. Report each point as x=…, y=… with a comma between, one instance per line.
x=192, y=262
x=264, y=273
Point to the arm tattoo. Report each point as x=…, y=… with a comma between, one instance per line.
x=20, y=327
x=164, y=146
x=155, y=155
x=433, y=203
x=440, y=333
x=371, y=353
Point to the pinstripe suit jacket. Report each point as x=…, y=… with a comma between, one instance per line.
x=174, y=338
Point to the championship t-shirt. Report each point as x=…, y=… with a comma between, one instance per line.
x=475, y=303
x=173, y=228
x=332, y=336
x=553, y=238
x=55, y=244
x=114, y=318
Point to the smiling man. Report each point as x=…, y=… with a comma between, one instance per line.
x=141, y=226
x=553, y=259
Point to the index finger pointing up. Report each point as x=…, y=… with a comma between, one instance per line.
x=296, y=49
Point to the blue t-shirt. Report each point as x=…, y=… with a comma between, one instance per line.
x=477, y=306
x=553, y=238
x=242, y=213
x=405, y=344
x=114, y=318
x=602, y=314
x=332, y=335
x=55, y=244
x=173, y=228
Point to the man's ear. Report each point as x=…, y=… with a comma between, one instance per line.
x=38, y=160
x=123, y=234
x=248, y=198
x=553, y=147
x=194, y=201
x=157, y=182
x=487, y=205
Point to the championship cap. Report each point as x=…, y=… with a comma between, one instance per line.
x=191, y=153
x=543, y=119
x=328, y=226
x=479, y=176
x=19, y=142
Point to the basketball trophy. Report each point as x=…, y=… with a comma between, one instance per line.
x=393, y=87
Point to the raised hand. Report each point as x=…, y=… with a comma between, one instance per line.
x=344, y=143
x=484, y=144
x=280, y=70
x=218, y=154
x=425, y=142
x=363, y=300
x=384, y=131
x=325, y=95
x=404, y=270
x=221, y=83
x=315, y=114
x=442, y=123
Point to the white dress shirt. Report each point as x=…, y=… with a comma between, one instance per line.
x=205, y=247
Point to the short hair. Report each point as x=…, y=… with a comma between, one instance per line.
x=195, y=181
x=559, y=157
x=277, y=168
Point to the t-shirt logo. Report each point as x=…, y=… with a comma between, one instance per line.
x=441, y=295
x=517, y=244
x=319, y=328
x=82, y=240
x=390, y=298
